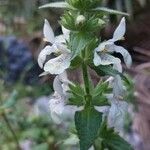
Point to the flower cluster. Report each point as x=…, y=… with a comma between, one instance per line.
x=61, y=55
x=102, y=54
x=62, y=59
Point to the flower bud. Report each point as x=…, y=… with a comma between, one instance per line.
x=80, y=19
x=101, y=22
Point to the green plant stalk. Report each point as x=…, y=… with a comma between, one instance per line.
x=11, y=130
x=4, y=116
x=86, y=79
x=86, y=85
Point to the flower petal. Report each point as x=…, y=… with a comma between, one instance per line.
x=118, y=88
x=120, y=30
x=102, y=46
x=118, y=67
x=62, y=48
x=42, y=56
x=63, y=77
x=117, y=114
x=126, y=56
x=57, y=85
x=107, y=59
x=58, y=65
x=48, y=32
x=43, y=74
x=97, y=59
x=65, y=32
x=56, y=105
x=60, y=39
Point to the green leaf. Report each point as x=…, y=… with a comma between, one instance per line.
x=100, y=101
x=110, y=11
x=77, y=89
x=98, y=97
x=77, y=101
x=78, y=42
x=89, y=49
x=103, y=70
x=111, y=140
x=55, y=5
x=87, y=124
x=68, y=20
x=76, y=95
x=76, y=62
x=101, y=87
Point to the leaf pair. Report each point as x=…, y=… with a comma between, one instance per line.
x=76, y=95
x=65, y=5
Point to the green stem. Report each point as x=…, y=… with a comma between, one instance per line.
x=95, y=148
x=4, y=116
x=85, y=78
x=86, y=84
x=11, y=130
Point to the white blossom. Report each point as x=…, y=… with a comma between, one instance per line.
x=62, y=55
x=102, y=54
x=80, y=19
x=119, y=107
x=59, y=98
x=116, y=113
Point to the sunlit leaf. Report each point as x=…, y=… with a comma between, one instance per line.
x=110, y=11
x=55, y=5
x=87, y=124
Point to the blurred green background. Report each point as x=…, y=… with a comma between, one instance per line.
x=24, y=96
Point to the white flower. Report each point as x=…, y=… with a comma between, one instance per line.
x=57, y=102
x=119, y=107
x=116, y=113
x=57, y=105
x=62, y=55
x=102, y=54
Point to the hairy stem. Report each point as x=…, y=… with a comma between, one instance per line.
x=86, y=79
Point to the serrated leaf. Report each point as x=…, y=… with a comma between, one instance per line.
x=77, y=89
x=76, y=101
x=68, y=20
x=76, y=62
x=76, y=95
x=98, y=97
x=111, y=140
x=100, y=88
x=55, y=5
x=89, y=50
x=103, y=70
x=100, y=101
x=110, y=11
x=87, y=124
